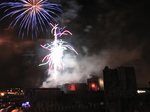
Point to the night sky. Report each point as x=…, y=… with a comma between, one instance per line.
x=109, y=33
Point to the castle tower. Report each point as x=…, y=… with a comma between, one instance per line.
x=119, y=88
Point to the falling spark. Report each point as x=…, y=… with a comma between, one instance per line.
x=56, y=49
x=31, y=15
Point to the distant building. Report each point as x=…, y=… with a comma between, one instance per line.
x=119, y=88
x=55, y=100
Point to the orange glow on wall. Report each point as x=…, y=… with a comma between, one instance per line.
x=72, y=87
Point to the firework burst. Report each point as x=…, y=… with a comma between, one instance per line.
x=56, y=50
x=31, y=15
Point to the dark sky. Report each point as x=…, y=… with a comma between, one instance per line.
x=105, y=33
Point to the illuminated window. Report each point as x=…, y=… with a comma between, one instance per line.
x=72, y=87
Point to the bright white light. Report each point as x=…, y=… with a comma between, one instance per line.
x=141, y=91
x=2, y=94
x=57, y=54
x=101, y=83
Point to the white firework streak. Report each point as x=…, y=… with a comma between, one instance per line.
x=56, y=49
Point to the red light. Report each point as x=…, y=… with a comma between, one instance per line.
x=93, y=86
x=72, y=87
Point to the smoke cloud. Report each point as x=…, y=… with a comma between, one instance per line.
x=79, y=68
x=70, y=9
